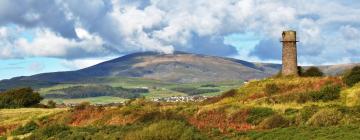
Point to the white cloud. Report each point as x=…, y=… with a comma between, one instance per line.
x=49, y=44
x=83, y=63
x=78, y=29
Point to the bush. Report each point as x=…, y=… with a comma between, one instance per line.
x=165, y=130
x=300, y=70
x=82, y=106
x=31, y=126
x=303, y=97
x=273, y=121
x=331, y=92
x=327, y=93
x=313, y=72
x=325, y=117
x=51, y=104
x=271, y=89
x=22, y=97
x=54, y=129
x=353, y=76
x=306, y=113
x=256, y=115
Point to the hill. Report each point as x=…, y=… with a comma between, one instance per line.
x=178, y=67
x=273, y=108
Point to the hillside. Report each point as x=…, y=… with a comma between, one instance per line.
x=178, y=67
x=274, y=108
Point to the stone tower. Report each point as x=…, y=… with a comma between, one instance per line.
x=289, y=53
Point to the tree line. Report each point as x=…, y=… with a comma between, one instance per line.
x=95, y=91
x=21, y=97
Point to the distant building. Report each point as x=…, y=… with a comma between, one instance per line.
x=289, y=53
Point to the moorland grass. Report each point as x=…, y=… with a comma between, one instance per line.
x=247, y=112
x=23, y=115
x=347, y=132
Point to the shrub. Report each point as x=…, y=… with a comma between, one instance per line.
x=256, y=115
x=82, y=106
x=316, y=95
x=313, y=72
x=165, y=130
x=273, y=121
x=51, y=104
x=325, y=117
x=230, y=93
x=300, y=70
x=27, y=128
x=303, y=97
x=327, y=93
x=305, y=113
x=53, y=130
x=353, y=76
x=271, y=89
x=331, y=92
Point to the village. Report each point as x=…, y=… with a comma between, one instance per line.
x=195, y=98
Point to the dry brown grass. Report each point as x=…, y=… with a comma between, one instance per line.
x=12, y=118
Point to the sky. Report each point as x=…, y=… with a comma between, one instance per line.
x=38, y=36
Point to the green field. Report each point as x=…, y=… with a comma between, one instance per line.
x=156, y=88
x=92, y=100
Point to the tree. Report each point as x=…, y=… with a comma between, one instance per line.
x=51, y=104
x=313, y=72
x=352, y=77
x=22, y=97
x=300, y=70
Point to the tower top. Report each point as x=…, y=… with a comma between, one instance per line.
x=289, y=36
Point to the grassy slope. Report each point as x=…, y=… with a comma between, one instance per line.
x=20, y=116
x=12, y=118
x=253, y=93
x=226, y=117
x=351, y=96
x=305, y=133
